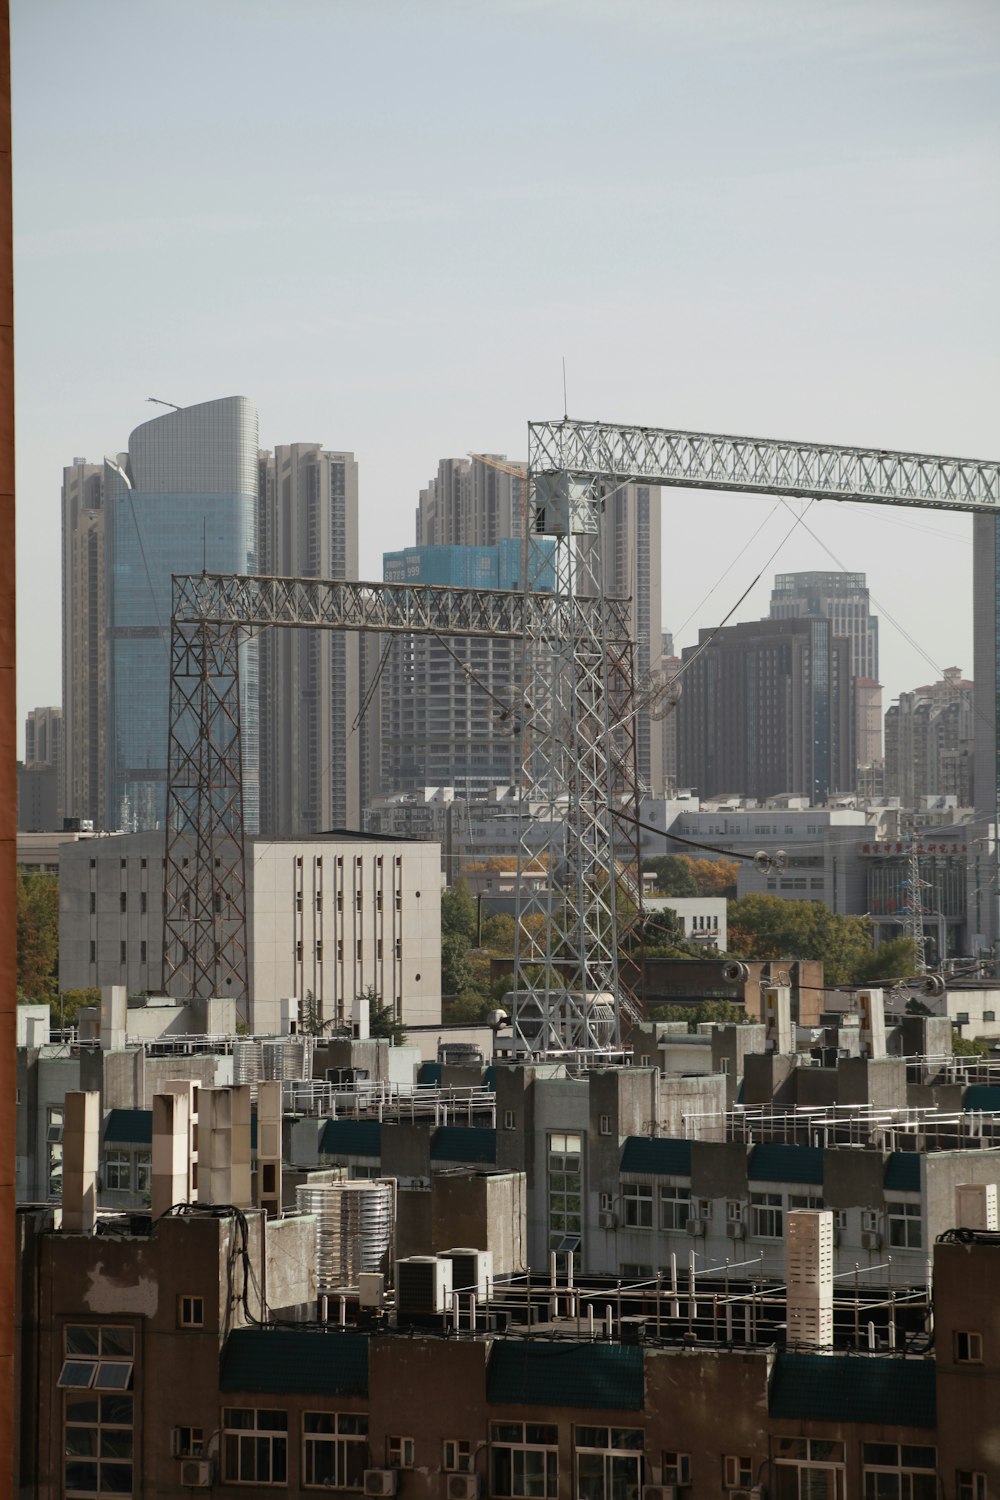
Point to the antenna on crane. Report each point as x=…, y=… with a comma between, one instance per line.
x=565, y=402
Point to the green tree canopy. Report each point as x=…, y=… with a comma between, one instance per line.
x=37, y=902
x=674, y=876
x=456, y=969
x=458, y=911
x=763, y=927
x=703, y=1010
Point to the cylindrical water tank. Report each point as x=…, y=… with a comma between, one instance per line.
x=354, y=1228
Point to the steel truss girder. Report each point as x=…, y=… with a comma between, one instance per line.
x=225, y=599
x=205, y=938
x=712, y=461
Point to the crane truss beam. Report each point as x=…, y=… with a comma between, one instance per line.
x=711, y=461
x=253, y=604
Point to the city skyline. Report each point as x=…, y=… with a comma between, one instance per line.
x=416, y=313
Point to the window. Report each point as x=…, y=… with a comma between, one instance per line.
x=676, y=1468
x=565, y=1188
x=93, y=902
x=869, y=1219
x=509, y=1120
x=53, y=1137
x=840, y=1219
x=124, y=951
x=905, y=1229
x=117, y=1170
x=893, y=1472
x=675, y=1207
x=808, y=1468
x=456, y=1456
x=254, y=1445
x=605, y=1125
x=635, y=1270
x=93, y=951
x=608, y=1462
x=143, y=1171
x=190, y=1312
x=805, y=1200
x=766, y=1217
x=97, y=1443
x=188, y=1442
x=970, y=1485
x=962, y=1018
x=99, y=1357
x=734, y=1211
x=968, y=1348
x=334, y=1450
x=142, y=903
x=989, y=1015
x=637, y=1205
x=524, y=1460
x=737, y=1471
x=399, y=1452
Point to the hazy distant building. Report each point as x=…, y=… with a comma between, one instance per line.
x=449, y=704
x=929, y=736
x=670, y=666
x=766, y=709
x=43, y=737
x=843, y=599
x=312, y=753
x=39, y=803
x=187, y=502
x=470, y=502
x=83, y=770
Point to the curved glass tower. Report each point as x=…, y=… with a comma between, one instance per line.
x=181, y=500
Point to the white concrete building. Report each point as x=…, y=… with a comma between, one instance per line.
x=703, y=917
x=331, y=917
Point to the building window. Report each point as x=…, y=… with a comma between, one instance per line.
x=524, y=1460
x=456, y=1456
x=676, y=1468
x=905, y=1228
x=737, y=1471
x=767, y=1221
x=637, y=1205
x=970, y=1485
x=565, y=1184
x=399, y=1452
x=989, y=1015
x=93, y=951
x=190, y=1312
x=143, y=1171
x=124, y=952
x=509, y=1120
x=734, y=1211
x=806, y=1467
x=899, y=1472
x=93, y=902
x=142, y=951
x=608, y=1462
x=254, y=1445
x=968, y=1348
x=962, y=1018
x=117, y=1171
x=675, y=1207
x=605, y=1125
x=188, y=1442
x=53, y=1137
x=335, y=1450
x=97, y=1443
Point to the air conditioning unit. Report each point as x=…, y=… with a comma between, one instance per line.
x=196, y=1473
x=736, y=1230
x=871, y=1239
x=753, y=1493
x=695, y=1226
x=423, y=1285
x=659, y=1492
x=606, y=1218
x=462, y=1487
x=380, y=1481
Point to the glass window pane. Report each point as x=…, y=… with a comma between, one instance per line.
x=117, y=1409
x=81, y=1340
x=77, y=1373
x=81, y=1442
x=116, y=1479
x=113, y=1375
x=81, y=1409
x=118, y=1341
x=116, y=1443
x=80, y=1476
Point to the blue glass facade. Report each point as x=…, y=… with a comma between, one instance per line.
x=497, y=567
x=191, y=503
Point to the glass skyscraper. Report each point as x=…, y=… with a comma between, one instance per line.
x=189, y=503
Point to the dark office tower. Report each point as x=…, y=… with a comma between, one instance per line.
x=844, y=600
x=311, y=749
x=182, y=499
x=83, y=768
x=766, y=709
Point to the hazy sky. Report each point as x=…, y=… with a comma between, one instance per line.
x=387, y=221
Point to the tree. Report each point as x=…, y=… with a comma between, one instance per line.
x=458, y=911
x=674, y=876
x=972, y=1046
x=37, y=903
x=715, y=877
x=469, y=1009
x=456, y=970
x=896, y=959
x=703, y=1010
x=498, y=933
x=66, y=1008
x=766, y=927
x=382, y=1019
